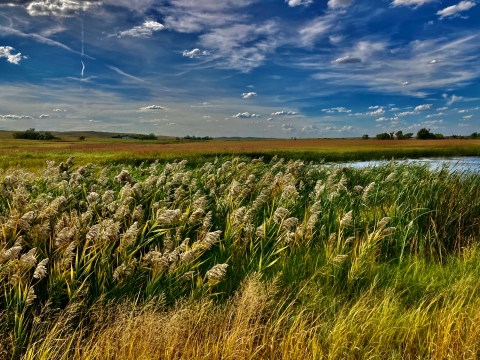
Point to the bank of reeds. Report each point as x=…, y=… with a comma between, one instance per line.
x=239, y=258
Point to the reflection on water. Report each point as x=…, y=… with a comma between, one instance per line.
x=455, y=164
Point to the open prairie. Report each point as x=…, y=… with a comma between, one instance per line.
x=32, y=154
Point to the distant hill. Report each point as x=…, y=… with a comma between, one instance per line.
x=88, y=134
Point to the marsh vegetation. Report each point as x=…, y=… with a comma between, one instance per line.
x=239, y=258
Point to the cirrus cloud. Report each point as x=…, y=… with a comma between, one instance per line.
x=195, y=53
x=145, y=30
x=455, y=9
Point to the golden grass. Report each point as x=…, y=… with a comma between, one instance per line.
x=257, y=324
x=32, y=154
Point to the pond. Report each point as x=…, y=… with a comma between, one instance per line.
x=455, y=163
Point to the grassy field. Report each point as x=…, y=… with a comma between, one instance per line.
x=103, y=149
x=239, y=258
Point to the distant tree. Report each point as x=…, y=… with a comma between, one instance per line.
x=383, y=136
x=81, y=138
x=407, y=136
x=425, y=134
x=439, y=136
x=31, y=134
x=399, y=135
x=475, y=135
x=365, y=137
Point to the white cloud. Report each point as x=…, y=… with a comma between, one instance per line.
x=394, y=109
x=454, y=9
x=375, y=107
x=384, y=71
x=345, y=128
x=294, y=3
x=59, y=110
x=468, y=117
x=246, y=115
x=316, y=28
x=288, y=128
x=435, y=61
x=434, y=115
x=270, y=119
x=242, y=47
x=405, y=83
x=335, y=39
x=442, y=108
x=432, y=125
x=334, y=4
x=337, y=109
x=44, y=116
x=433, y=122
x=285, y=113
x=152, y=107
x=377, y=112
x=11, y=116
x=424, y=107
x=347, y=60
x=394, y=119
x=463, y=111
x=309, y=128
x=145, y=30
x=407, y=113
x=6, y=52
x=463, y=125
x=207, y=117
x=453, y=98
x=195, y=53
x=249, y=95
x=61, y=8
x=411, y=2
x=190, y=16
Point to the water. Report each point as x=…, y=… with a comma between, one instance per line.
x=455, y=163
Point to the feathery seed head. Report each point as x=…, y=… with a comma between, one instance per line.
x=28, y=260
x=347, y=219
x=217, y=273
x=289, y=223
x=92, y=198
x=280, y=214
x=41, y=270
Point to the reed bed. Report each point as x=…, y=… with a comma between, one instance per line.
x=239, y=258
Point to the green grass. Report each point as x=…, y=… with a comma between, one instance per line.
x=323, y=262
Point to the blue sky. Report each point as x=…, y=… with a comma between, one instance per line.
x=266, y=68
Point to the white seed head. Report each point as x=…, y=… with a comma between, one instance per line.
x=347, y=219
x=217, y=273
x=280, y=214
x=41, y=270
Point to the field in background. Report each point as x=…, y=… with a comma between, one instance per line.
x=32, y=154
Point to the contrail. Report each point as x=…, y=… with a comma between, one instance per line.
x=81, y=56
x=6, y=31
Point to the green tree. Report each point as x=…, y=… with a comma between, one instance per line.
x=425, y=134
